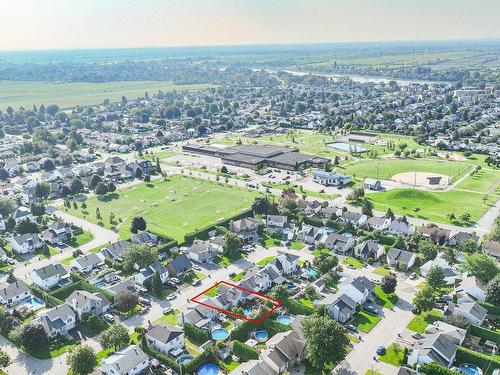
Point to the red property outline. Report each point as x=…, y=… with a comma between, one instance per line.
x=227, y=312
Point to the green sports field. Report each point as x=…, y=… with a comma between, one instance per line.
x=434, y=206
x=69, y=95
x=172, y=207
x=386, y=168
x=485, y=180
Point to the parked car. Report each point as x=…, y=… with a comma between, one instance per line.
x=232, y=274
x=110, y=318
x=196, y=283
x=167, y=309
x=376, y=281
x=417, y=336
x=413, y=276
x=350, y=327
x=175, y=280
x=381, y=350
x=196, y=267
x=144, y=302
x=171, y=297
x=11, y=261
x=351, y=267
x=371, y=309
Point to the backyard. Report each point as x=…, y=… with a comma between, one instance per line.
x=172, y=207
x=421, y=321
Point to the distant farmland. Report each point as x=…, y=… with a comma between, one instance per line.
x=69, y=95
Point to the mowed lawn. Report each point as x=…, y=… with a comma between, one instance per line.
x=386, y=168
x=173, y=207
x=71, y=94
x=433, y=206
x=482, y=181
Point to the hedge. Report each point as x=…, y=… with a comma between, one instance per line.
x=484, y=333
x=165, y=359
x=244, y=351
x=435, y=369
x=198, y=334
x=50, y=300
x=485, y=362
x=202, y=233
x=296, y=308
x=492, y=309
x=80, y=284
x=313, y=221
x=206, y=357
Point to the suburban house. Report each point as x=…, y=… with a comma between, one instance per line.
x=400, y=258
x=354, y=218
x=114, y=251
x=438, y=348
x=369, y=249
x=246, y=228
x=26, y=243
x=359, y=289
x=341, y=307
x=470, y=288
x=286, y=263
x=284, y=350
x=492, y=248
x=278, y=224
x=12, y=294
x=473, y=312
x=21, y=214
x=450, y=275
x=145, y=274
x=57, y=234
x=87, y=262
x=372, y=184
x=57, y=321
x=199, y=316
x=145, y=238
x=165, y=338
x=130, y=360
x=339, y=243
x=126, y=285
x=49, y=276
x=311, y=235
x=179, y=265
x=459, y=237
x=457, y=335
x=436, y=234
x=331, y=178
x=378, y=223
x=399, y=228
x=82, y=302
x=203, y=251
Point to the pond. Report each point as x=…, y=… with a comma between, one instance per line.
x=347, y=147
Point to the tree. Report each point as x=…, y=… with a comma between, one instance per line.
x=428, y=249
x=76, y=185
x=95, y=180
x=33, y=337
x=493, y=291
x=424, y=300
x=3, y=174
x=138, y=223
x=37, y=209
x=4, y=358
x=111, y=187
x=389, y=284
x=114, y=337
x=367, y=208
x=26, y=226
x=262, y=206
x=82, y=360
x=482, y=266
x=280, y=292
x=125, y=300
x=400, y=243
x=326, y=342
x=6, y=207
x=325, y=262
x=140, y=255
x=101, y=188
x=156, y=284
x=232, y=245
x=468, y=246
x=389, y=214
x=435, y=277
x=223, y=169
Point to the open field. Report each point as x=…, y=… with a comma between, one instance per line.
x=69, y=95
x=172, y=207
x=433, y=206
x=385, y=169
x=485, y=180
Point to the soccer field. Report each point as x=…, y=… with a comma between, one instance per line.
x=172, y=207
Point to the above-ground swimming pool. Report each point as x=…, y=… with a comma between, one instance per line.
x=208, y=369
x=470, y=369
x=261, y=336
x=184, y=358
x=284, y=319
x=347, y=147
x=220, y=334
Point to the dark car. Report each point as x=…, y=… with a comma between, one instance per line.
x=370, y=309
x=381, y=350
x=232, y=274
x=350, y=327
x=196, y=283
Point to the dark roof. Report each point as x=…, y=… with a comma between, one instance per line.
x=180, y=263
x=398, y=255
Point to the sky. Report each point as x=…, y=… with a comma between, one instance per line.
x=73, y=24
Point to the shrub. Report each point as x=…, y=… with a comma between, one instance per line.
x=198, y=334
x=244, y=351
x=483, y=361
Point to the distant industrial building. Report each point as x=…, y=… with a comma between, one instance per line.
x=259, y=156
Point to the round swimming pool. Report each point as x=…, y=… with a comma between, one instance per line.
x=284, y=319
x=261, y=336
x=220, y=334
x=347, y=234
x=470, y=369
x=184, y=358
x=208, y=369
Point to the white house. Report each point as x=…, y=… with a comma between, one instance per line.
x=341, y=307
x=473, y=312
x=12, y=294
x=378, y=223
x=437, y=347
x=401, y=258
x=354, y=218
x=49, y=276
x=369, y=249
x=165, y=338
x=26, y=243
x=147, y=273
x=286, y=263
x=57, y=321
x=471, y=287
x=203, y=251
x=331, y=178
x=359, y=289
x=339, y=243
x=87, y=262
x=130, y=360
x=276, y=224
x=83, y=302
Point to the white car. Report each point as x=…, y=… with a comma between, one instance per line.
x=196, y=267
x=166, y=310
x=175, y=280
x=171, y=297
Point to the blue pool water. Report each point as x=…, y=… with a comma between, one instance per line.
x=220, y=334
x=291, y=286
x=329, y=230
x=208, y=369
x=311, y=272
x=261, y=336
x=247, y=312
x=35, y=302
x=101, y=284
x=470, y=369
x=184, y=358
x=347, y=234
x=284, y=319
x=347, y=147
